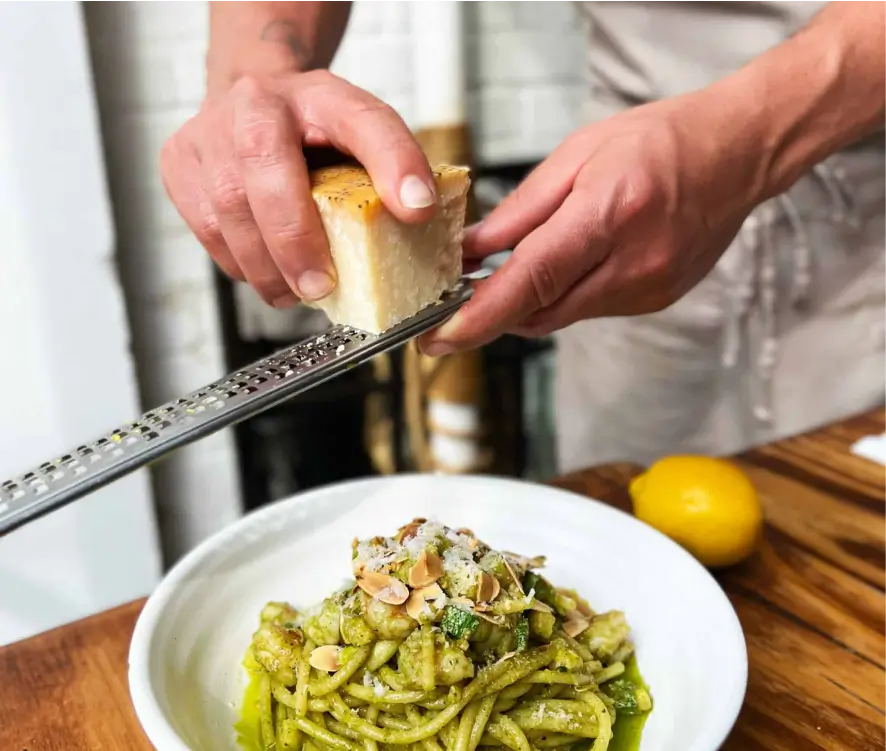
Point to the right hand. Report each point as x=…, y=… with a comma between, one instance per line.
x=237, y=174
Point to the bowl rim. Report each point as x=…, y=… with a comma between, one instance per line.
x=163, y=736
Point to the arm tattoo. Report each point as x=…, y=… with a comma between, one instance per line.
x=286, y=32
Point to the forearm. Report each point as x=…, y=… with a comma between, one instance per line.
x=813, y=95
x=264, y=38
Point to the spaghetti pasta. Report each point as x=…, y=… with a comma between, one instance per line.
x=440, y=644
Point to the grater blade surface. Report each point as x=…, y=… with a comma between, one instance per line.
x=240, y=395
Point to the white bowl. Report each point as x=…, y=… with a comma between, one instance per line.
x=185, y=672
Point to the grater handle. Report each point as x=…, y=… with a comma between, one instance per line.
x=241, y=395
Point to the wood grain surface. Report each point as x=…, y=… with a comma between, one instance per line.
x=811, y=603
x=66, y=690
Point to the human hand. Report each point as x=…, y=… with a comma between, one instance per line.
x=237, y=174
x=623, y=218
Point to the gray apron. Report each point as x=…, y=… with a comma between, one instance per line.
x=787, y=331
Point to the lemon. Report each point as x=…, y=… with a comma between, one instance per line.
x=707, y=505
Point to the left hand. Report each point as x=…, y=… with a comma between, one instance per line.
x=623, y=218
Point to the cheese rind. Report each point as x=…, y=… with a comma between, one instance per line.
x=387, y=270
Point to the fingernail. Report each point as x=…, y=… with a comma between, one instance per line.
x=315, y=285
x=414, y=194
x=437, y=349
x=285, y=301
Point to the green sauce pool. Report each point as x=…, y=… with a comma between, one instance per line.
x=628, y=728
x=248, y=728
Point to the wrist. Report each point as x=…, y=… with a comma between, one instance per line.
x=271, y=38
x=781, y=101
x=224, y=70
x=249, y=39
x=807, y=98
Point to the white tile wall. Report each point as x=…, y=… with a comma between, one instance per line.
x=525, y=65
x=66, y=371
x=148, y=66
x=526, y=77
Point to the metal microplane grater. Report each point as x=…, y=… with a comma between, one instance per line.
x=241, y=395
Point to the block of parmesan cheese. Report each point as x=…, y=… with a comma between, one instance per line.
x=387, y=270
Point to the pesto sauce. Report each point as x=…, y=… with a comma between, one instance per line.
x=248, y=728
x=627, y=729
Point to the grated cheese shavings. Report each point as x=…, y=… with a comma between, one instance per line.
x=372, y=681
x=427, y=533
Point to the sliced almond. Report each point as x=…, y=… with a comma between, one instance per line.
x=498, y=620
x=408, y=532
x=527, y=563
x=431, y=592
x=487, y=588
x=465, y=531
x=541, y=607
x=417, y=604
x=417, y=607
x=513, y=574
x=573, y=626
x=426, y=570
x=383, y=587
x=372, y=582
x=411, y=530
x=326, y=658
x=394, y=595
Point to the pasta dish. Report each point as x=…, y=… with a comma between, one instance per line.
x=440, y=643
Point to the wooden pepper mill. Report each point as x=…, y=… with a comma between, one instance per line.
x=443, y=398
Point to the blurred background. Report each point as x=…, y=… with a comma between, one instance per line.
x=110, y=307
